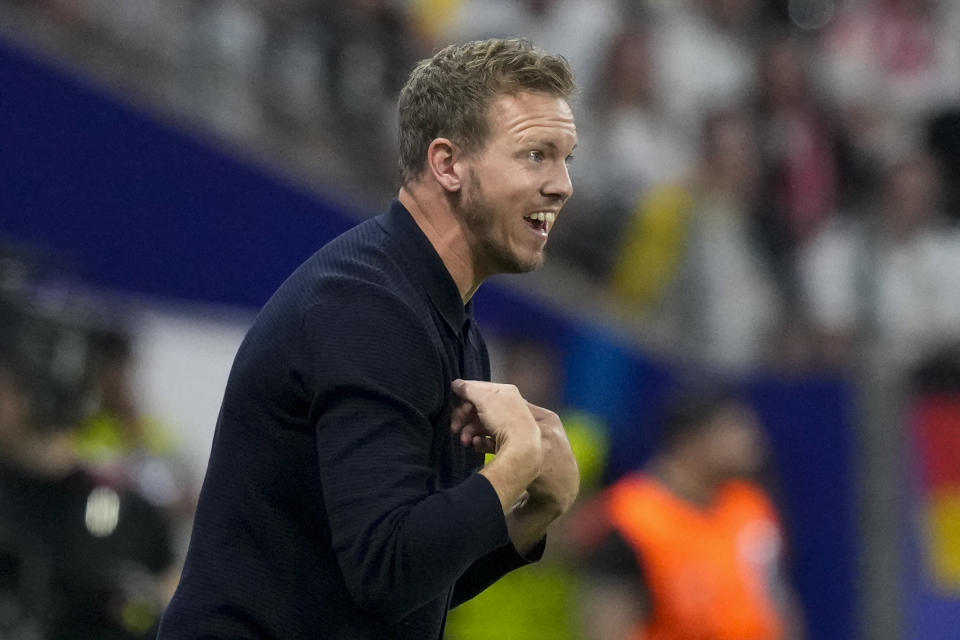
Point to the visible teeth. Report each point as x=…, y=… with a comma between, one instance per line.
x=549, y=216
x=543, y=216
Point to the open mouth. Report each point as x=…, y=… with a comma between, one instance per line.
x=541, y=221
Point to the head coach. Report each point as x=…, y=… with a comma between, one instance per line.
x=346, y=494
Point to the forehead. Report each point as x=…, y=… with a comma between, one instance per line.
x=526, y=114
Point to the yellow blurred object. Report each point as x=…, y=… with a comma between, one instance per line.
x=654, y=244
x=943, y=514
x=432, y=18
x=532, y=603
x=104, y=438
x=590, y=444
x=139, y=616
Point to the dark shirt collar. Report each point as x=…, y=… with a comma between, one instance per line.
x=424, y=263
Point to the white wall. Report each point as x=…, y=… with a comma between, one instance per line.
x=183, y=358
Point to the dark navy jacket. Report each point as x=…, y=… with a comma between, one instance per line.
x=337, y=503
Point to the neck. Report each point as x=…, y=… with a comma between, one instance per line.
x=435, y=216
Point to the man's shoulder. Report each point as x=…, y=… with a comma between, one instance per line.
x=360, y=260
x=745, y=489
x=360, y=253
x=353, y=270
x=748, y=498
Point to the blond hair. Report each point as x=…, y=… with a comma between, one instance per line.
x=449, y=95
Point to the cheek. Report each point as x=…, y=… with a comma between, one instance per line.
x=510, y=186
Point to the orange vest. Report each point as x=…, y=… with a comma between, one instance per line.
x=709, y=570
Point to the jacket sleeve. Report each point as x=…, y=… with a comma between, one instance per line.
x=375, y=376
x=490, y=568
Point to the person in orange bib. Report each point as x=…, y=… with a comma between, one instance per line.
x=689, y=548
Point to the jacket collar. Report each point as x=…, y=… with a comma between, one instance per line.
x=425, y=265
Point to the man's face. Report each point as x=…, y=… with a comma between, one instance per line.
x=734, y=443
x=515, y=186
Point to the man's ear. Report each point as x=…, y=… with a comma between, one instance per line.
x=443, y=163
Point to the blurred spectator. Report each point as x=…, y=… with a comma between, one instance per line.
x=24, y=579
x=799, y=151
x=901, y=54
x=116, y=427
x=90, y=556
x=220, y=71
x=576, y=29
x=704, y=54
x=628, y=146
x=371, y=50
x=118, y=441
x=888, y=277
x=691, y=254
x=690, y=547
x=82, y=555
x=295, y=64
x=887, y=66
x=943, y=136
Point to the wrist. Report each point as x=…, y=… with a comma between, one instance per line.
x=542, y=507
x=509, y=478
x=527, y=524
x=524, y=461
x=555, y=499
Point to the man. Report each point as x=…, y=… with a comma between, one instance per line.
x=81, y=557
x=689, y=548
x=341, y=498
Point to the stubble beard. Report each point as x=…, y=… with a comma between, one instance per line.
x=479, y=218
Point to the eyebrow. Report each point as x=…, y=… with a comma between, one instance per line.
x=552, y=145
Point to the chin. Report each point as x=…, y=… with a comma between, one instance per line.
x=518, y=265
x=507, y=261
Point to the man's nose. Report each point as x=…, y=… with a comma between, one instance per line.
x=559, y=186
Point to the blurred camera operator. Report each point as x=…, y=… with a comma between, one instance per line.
x=80, y=557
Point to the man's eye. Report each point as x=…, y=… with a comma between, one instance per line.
x=536, y=156
x=570, y=158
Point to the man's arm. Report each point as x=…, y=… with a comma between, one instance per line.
x=553, y=491
x=375, y=377
x=530, y=508
x=500, y=413
x=547, y=496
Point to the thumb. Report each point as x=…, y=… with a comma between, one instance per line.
x=461, y=388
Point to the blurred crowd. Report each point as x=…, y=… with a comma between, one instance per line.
x=773, y=181
x=94, y=500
